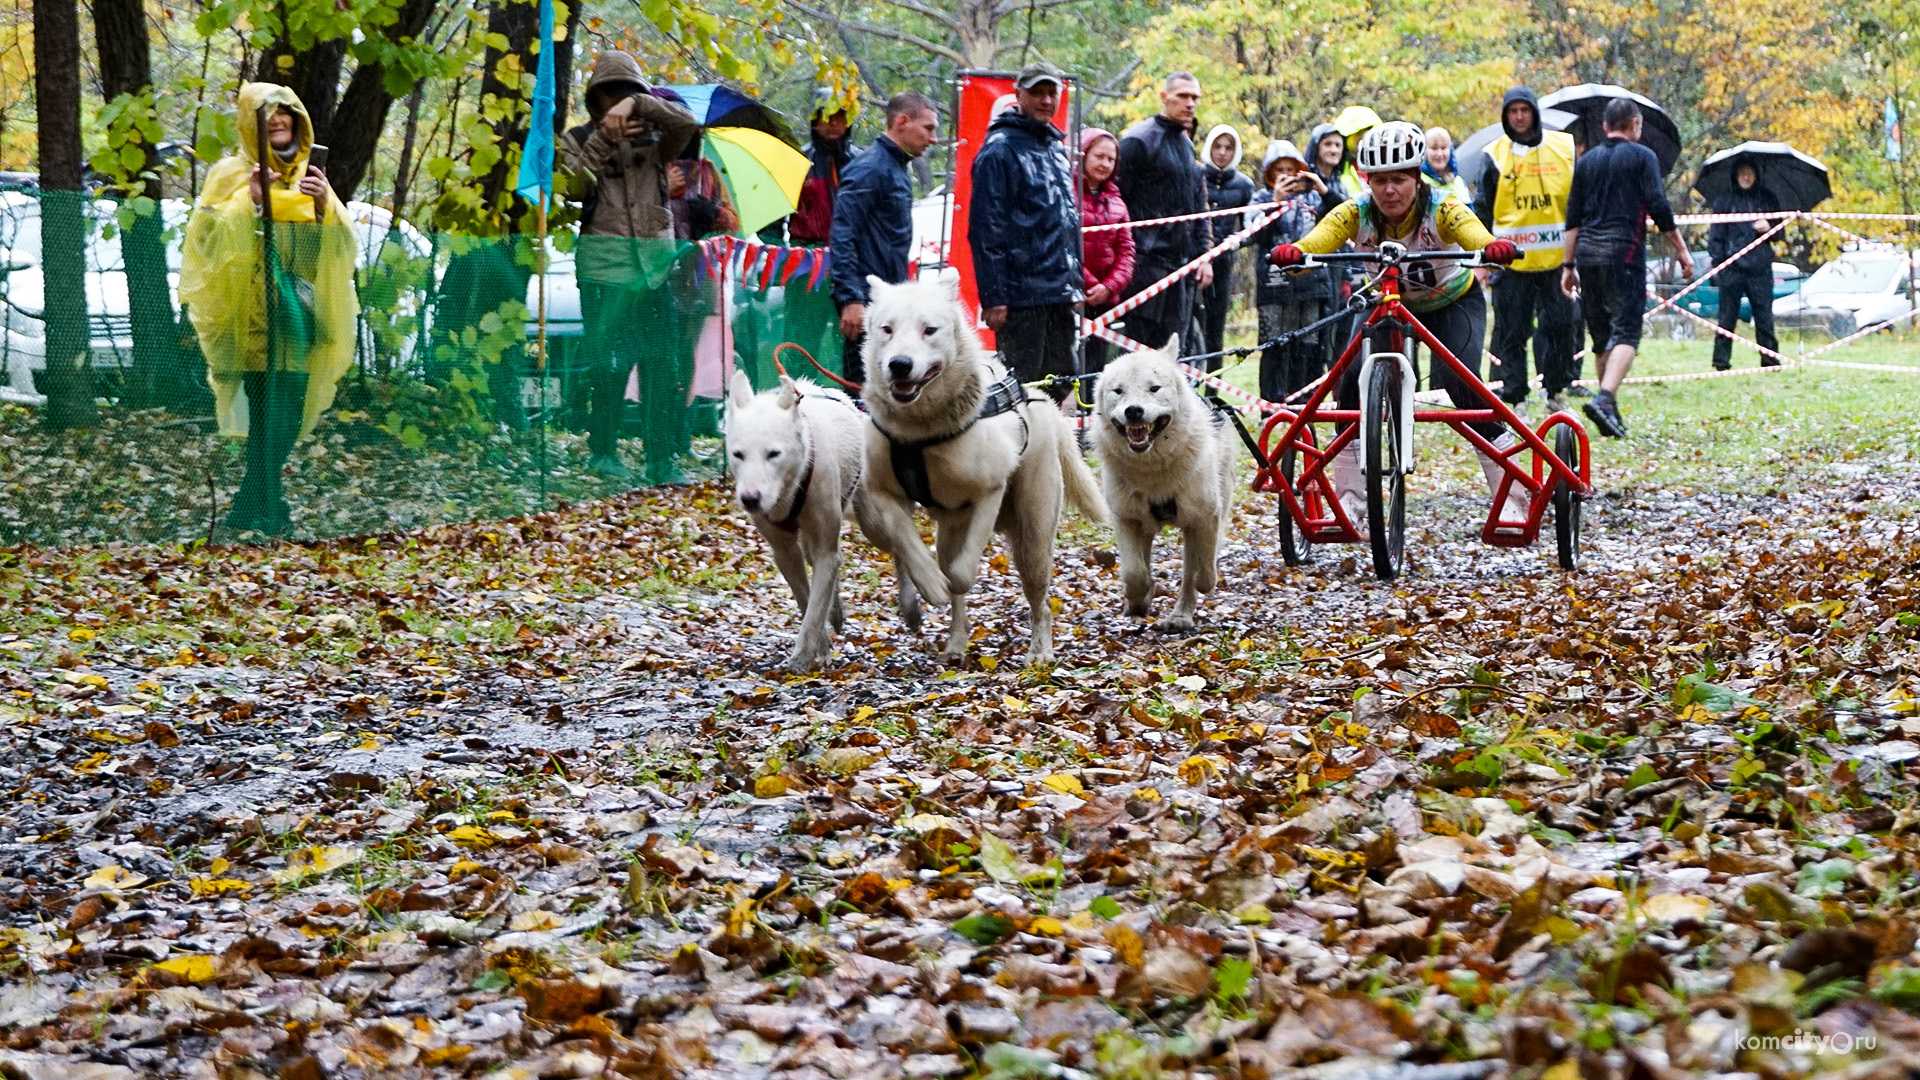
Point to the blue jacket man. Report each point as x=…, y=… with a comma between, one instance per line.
x=1024, y=230
x=873, y=217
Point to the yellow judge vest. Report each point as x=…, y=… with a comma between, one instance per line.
x=1530, y=205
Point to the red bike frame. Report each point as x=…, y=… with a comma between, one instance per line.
x=1310, y=498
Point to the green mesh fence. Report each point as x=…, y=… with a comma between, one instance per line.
x=158, y=384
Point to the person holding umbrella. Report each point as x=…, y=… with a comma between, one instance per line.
x=1616, y=187
x=1749, y=276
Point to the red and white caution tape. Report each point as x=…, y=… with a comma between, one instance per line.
x=1108, y=317
x=1165, y=220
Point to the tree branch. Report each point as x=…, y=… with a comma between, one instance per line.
x=888, y=32
x=940, y=17
x=1008, y=7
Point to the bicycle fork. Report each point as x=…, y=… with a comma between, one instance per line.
x=1404, y=433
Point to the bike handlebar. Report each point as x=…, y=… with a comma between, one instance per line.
x=1471, y=258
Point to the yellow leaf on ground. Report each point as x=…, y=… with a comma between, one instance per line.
x=860, y=714
x=1127, y=944
x=844, y=760
x=320, y=859
x=1046, y=926
x=534, y=920
x=194, y=969
x=80, y=633
x=769, y=787
x=1064, y=784
x=1200, y=768
x=1013, y=704
x=473, y=837
x=208, y=886
x=1673, y=907
x=114, y=877
x=461, y=868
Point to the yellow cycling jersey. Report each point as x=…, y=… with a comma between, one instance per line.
x=1530, y=203
x=1446, y=226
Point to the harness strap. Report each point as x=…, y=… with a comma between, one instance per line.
x=791, y=523
x=909, y=458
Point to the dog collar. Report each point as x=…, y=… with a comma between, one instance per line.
x=791, y=523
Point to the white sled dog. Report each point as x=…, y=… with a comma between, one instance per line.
x=1165, y=459
x=797, y=455
x=952, y=431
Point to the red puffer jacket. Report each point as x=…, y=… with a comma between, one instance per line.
x=1106, y=256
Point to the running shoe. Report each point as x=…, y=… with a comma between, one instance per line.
x=1556, y=403
x=1605, y=414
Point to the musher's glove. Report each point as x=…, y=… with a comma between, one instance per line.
x=1287, y=255
x=1500, y=251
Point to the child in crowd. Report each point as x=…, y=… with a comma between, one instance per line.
x=1290, y=300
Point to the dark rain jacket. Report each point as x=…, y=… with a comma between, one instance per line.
x=1726, y=237
x=1616, y=188
x=1024, y=226
x=872, y=221
x=1160, y=178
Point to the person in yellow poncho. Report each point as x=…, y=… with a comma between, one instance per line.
x=271, y=383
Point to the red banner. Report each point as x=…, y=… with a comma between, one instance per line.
x=979, y=94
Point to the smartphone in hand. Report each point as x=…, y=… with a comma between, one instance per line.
x=317, y=157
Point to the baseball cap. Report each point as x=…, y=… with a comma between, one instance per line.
x=1038, y=72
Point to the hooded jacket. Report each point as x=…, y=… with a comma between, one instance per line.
x=1522, y=191
x=1354, y=122
x=872, y=221
x=1298, y=215
x=1227, y=187
x=223, y=283
x=1726, y=237
x=1336, y=189
x=1106, y=257
x=1024, y=224
x=624, y=184
x=1160, y=178
x=812, y=220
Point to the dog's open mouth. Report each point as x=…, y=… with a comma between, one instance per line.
x=1140, y=436
x=905, y=392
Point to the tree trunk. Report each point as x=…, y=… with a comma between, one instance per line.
x=519, y=23
x=120, y=34
x=67, y=380
x=354, y=134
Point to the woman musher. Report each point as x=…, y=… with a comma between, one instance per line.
x=1398, y=206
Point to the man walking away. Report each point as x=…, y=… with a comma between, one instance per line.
x=873, y=218
x=1523, y=198
x=1227, y=187
x=1616, y=187
x=1160, y=178
x=1752, y=275
x=623, y=257
x=1024, y=228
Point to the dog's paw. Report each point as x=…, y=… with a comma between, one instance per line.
x=910, y=614
x=955, y=660
x=838, y=617
x=939, y=595
x=804, y=661
x=1139, y=609
x=1040, y=659
x=1175, y=624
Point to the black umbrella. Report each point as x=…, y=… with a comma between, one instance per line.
x=1470, y=155
x=1797, y=182
x=1589, y=100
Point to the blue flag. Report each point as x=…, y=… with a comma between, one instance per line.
x=1893, y=131
x=536, y=157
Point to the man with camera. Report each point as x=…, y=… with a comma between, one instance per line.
x=619, y=160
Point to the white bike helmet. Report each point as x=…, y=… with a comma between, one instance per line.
x=1391, y=146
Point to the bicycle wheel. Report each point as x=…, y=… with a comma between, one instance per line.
x=1295, y=548
x=1566, y=502
x=1386, y=476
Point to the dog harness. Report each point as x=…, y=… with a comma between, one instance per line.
x=909, y=457
x=791, y=523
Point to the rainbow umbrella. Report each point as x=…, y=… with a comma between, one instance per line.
x=763, y=173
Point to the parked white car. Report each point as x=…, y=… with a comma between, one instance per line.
x=1861, y=288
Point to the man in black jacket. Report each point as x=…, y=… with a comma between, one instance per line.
x=873, y=218
x=1159, y=178
x=1227, y=187
x=1024, y=229
x=1616, y=188
x=1752, y=275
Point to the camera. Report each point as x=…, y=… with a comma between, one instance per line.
x=647, y=135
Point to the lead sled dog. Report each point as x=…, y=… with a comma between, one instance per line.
x=1165, y=459
x=952, y=431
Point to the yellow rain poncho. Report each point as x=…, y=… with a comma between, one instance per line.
x=223, y=283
